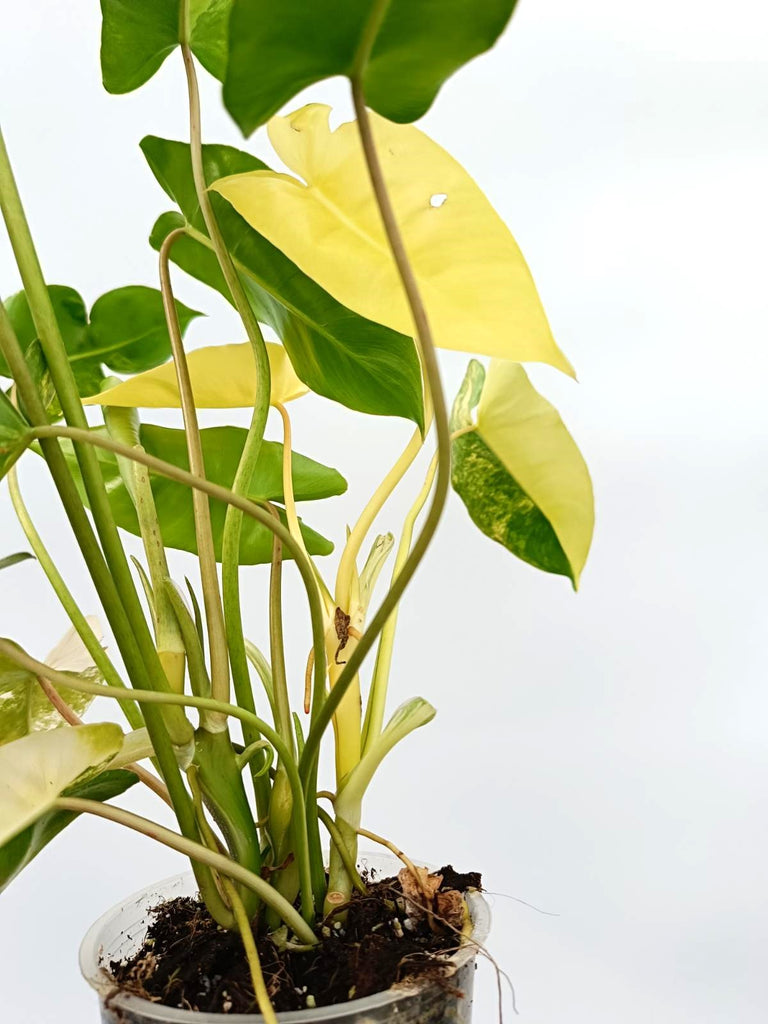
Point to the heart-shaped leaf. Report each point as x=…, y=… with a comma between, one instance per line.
x=128, y=328
x=36, y=769
x=222, y=377
x=16, y=854
x=222, y=448
x=72, y=318
x=274, y=54
x=337, y=353
x=24, y=707
x=475, y=284
x=126, y=332
x=519, y=472
x=137, y=36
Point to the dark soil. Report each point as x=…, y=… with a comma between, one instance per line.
x=189, y=962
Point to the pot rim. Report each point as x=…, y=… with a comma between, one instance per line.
x=99, y=979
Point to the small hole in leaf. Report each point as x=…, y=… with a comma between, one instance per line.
x=437, y=200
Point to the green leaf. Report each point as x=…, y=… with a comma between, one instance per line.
x=24, y=707
x=337, y=353
x=137, y=36
x=222, y=448
x=14, y=434
x=72, y=318
x=128, y=329
x=519, y=472
x=126, y=332
x=36, y=769
x=210, y=34
x=19, y=556
x=16, y=854
x=275, y=53
x=38, y=368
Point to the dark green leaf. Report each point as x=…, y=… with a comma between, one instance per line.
x=338, y=354
x=19, y=851
x=128, y=329
x=137, y=36
x=275, y=53
x=222, y=448
x=14, y=434
x=19, y=556
x=210, y=34
x=127, y=333
x=72, y=318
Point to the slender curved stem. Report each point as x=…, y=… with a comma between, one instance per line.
x=366, y=519
x=230, y=582
x=91, y=642
x=228, y=497
x=217, y=638
x=374, y=716
x=266, y=1009
x=230, y=559
x=432, y=372
x=281, y=815
x=393, y=849
x=159, y=725
x=234, y=284
x=196, y=852
x=341, y=849
x=24, y=660
x=72, y=718
x=283, y=721
x=131, y=629
x=124, y=425
x=288, y=496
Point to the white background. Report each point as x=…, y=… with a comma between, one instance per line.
x=601, y=755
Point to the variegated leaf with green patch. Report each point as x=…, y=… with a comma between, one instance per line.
x=24, y=706
x=519, y=471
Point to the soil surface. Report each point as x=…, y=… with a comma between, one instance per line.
x=189, y=962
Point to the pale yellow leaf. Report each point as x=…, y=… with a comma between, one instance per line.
x=527, y=434
x=70, y=654
x=35, y=769
x=222, y=376
x=476, y=286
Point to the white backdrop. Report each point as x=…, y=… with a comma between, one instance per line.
x=600, y=755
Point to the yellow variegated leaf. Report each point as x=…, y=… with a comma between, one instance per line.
x=477, y=288
x=35, y=769
x=527, y=435
x=223, y=377
x=24, y=706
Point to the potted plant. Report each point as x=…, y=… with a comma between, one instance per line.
x=374, y=250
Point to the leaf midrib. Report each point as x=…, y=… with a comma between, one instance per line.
x=91, y=353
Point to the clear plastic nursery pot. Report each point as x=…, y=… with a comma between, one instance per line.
x=120, y=933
